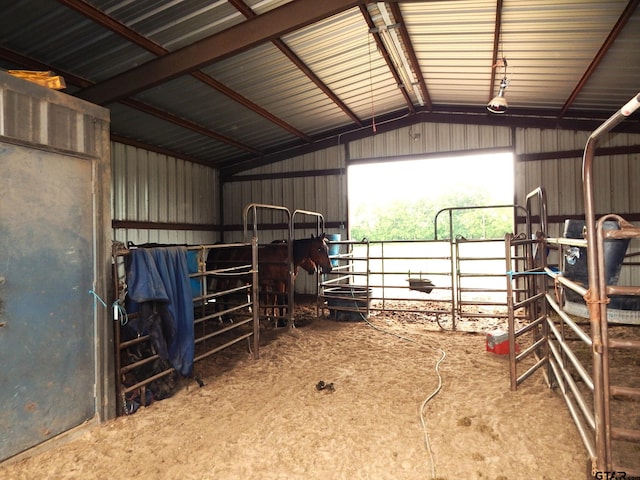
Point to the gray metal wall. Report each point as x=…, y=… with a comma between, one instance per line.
x=616, y=176
x=322, y=194
x=151, y=189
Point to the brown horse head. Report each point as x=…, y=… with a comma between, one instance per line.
x=312, y=254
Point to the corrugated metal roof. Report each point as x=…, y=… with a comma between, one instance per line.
x=233, y=84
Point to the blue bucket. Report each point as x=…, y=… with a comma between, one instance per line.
x=334, y=249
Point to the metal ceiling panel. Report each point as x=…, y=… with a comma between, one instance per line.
x=549, y=46
x=210, y=108
x=172, y=24
x=144, y=128
x=341, y=51
x=258, y=101
x=617, y=75
x=265, y=76
x=454, y=45
x=61, y=37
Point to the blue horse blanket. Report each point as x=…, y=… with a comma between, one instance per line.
x=159, y=286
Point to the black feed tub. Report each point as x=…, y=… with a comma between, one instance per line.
x=348, y=303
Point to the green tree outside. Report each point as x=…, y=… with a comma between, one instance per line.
x=414, y=220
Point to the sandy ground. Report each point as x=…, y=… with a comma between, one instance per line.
x=385, y=417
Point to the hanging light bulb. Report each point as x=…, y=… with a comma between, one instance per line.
x=498, y=104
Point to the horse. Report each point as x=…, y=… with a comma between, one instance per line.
x=312, y=254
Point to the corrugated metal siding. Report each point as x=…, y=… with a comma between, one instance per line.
x=155, y=188
x=546, y=44
x=169, y=237
x=206, y=106
x=151, y=187
x=56, y=34
x=153, y=131
x=48, y=119
x=315, y=193
x=433, y=138
x=615, y=177
x=342, y=44
x=617, y=74
x=172, y=24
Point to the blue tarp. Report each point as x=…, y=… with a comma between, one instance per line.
x=158, y=282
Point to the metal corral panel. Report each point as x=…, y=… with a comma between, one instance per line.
x=151, y=187
x=55, y=346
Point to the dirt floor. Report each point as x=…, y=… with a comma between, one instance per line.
x=402, y=400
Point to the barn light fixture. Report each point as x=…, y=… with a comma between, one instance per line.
x=498, y=104
x=389, y=35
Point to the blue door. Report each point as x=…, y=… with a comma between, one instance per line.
x=47, y=332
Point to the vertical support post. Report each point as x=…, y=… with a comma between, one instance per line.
x=116, y=333
x=319, y=228
x=256, y=299
x=292, y=275
x=513, y=374
x=454, y=272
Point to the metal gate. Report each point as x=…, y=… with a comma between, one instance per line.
x=444, y=279
x=584, y=360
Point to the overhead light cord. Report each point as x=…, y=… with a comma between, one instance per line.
x=423, y=405
x=373, y=110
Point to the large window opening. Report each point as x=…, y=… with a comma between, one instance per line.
x=399, y=200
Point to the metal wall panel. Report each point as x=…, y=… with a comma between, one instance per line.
x=426, y=138
x=315, y=193
x=156, y=188
x=178, y=237
x=615, y=176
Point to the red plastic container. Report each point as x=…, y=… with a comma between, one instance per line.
x=498, y=342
